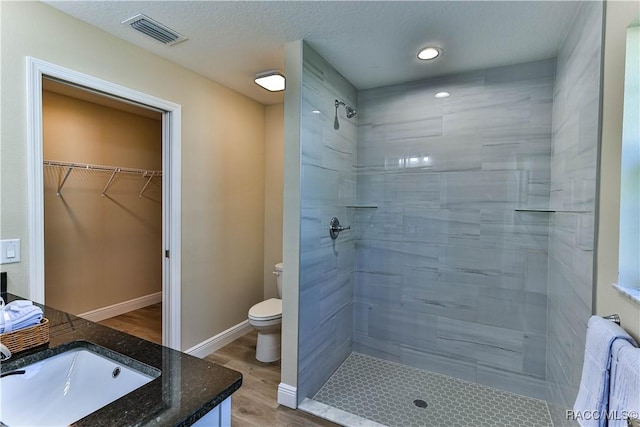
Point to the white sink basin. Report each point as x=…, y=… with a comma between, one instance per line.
x=65, y=388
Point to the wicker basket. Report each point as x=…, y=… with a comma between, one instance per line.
x=26, y=338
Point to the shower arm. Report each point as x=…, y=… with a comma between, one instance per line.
x=347, y=108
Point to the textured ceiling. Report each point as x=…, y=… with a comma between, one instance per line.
x=371, y=43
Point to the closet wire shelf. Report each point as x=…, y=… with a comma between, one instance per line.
x=145, y=173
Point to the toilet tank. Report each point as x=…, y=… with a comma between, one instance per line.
x=278, y=272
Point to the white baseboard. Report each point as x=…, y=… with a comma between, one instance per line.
x=122, y=307
x=215, y=343
x=288, y=395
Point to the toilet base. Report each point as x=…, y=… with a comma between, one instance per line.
x=268, y=347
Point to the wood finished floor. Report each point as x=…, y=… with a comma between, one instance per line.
x=144, y=323
x=255, y=404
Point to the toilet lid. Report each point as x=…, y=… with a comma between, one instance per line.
x=266, y=310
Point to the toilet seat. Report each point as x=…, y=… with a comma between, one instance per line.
x=270, y=309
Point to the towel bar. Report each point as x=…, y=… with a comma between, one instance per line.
x=613, y=317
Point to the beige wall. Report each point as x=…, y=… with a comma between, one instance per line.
x=100, y=251
x=222, y=160
x=619, y=14
x=273, y=184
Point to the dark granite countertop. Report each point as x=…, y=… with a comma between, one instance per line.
x=186, y=389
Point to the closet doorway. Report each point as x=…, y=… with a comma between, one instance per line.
x=104, y=201
x=103, y=209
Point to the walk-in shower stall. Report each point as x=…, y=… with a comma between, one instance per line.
x=464, y=283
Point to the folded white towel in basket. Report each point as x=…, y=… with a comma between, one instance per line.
x=19, y=314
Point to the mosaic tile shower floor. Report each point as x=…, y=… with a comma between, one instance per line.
x=385, y=391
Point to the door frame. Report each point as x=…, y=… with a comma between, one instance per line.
x=171, y=185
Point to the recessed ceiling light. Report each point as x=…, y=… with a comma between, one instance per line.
x=429, y=53
x=441, y=95
x=272, y=81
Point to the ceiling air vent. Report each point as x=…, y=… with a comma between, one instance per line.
x=154, y=29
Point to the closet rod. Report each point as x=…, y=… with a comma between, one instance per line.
x=143, y=172
x=102, y=168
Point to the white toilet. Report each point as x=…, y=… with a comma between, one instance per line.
x=266, y=318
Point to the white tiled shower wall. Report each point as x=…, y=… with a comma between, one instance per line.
x=328, y=186
x=576, y=130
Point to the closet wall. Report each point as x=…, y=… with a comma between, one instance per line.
x=100, y=250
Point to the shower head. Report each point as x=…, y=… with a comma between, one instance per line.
x=351, y=112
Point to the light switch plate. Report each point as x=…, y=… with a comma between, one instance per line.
x=9, y=251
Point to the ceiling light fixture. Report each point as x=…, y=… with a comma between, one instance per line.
x=272, y=81
x=441, y=95
x=428, y=53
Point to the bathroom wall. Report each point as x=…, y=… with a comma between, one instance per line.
x=449, y=277
x=100, y=251
x=629, y=252
x=222, y=185
x=328, y=158
x=273, y=188
x=576, y=134
x=619, y=16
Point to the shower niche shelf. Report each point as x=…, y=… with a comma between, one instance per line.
x=549, y=211
x=362, y=206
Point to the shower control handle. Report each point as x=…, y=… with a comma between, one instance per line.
x=335, y=228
